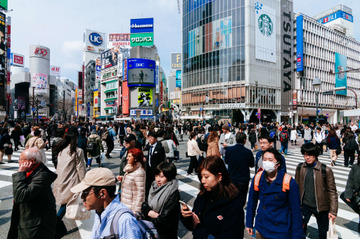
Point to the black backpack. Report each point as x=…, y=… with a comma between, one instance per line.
x=203, y=146
x=91, y=145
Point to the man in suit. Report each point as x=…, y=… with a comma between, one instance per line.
x=240, y=160
x=155, y=157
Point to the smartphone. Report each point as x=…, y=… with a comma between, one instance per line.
x=184, y=204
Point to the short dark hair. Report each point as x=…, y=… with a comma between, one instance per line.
x=310, y=149
x=110, y=190
x=153, y=134
x=241, y=137
x=37, y=132
x=59, y=132
x=168, y=169
x=270, y=139
x=276, y=154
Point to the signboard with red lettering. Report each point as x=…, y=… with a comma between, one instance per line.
x=17, y=60
x=55, y=70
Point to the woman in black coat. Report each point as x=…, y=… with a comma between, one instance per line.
x=162, y=207
x=217, y=211
x=82, y=141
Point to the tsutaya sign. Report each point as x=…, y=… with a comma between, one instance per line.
x=232, y=106
x=142, y=39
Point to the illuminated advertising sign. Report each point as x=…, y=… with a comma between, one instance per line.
x=40, y=82
x=142, y=39
x=142, y=25
x=176, y=61
x=341, y=76
x=145, y=97
x=17, y=60
x=94, y=41
x=2, y=45
x=178, y=79
x=119, y=39
x=109, y=58
x=125, y=98
x=265, y=32
x=157, y=77
x=98, y=70
x=4, y=4
x=336, y=15
x=194, y=4
x=55, y=70
x=141, y=72
x=299, y=44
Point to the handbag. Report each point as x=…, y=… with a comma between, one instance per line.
x=332, y=233
x=75, y=209
x=176, y=155
x=22, y=138
x=338, y=150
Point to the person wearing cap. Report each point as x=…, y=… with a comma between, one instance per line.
x=98, y=193
x=227, y=139
x=94, y=137
x=34, y=210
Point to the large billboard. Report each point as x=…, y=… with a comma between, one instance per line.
x=142, y=39
x=341, y=76
x=178, y=79
x=141, y=72
x=40, y=82
x=94, y=41
x=145, y=97
x=142, y=25
x=17, y=60
x=299, y=44
x=125, y=98
x=109, y=58
x=336, y=15
x=40, y=52
x=119, y=39
x=265, y=32
x=222, y=33
x=176, y=61
x=4, y=4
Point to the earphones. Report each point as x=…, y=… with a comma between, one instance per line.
x=101, y=195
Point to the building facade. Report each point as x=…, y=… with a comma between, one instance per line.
x=233, y=59
x=323, y=50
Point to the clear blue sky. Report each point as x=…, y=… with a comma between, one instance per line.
x=59, y=25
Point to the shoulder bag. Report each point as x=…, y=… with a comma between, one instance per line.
x=75, y=209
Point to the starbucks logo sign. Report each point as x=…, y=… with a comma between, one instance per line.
x=265, y=25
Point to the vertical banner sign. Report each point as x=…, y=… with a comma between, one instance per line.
x=340, y=76
x=157, y=77
x=125, y=99
x=125, y=70
x=176, y=61
x=299, y=44
x=265, y=32
x=294, y=101
x=76, y=102
x=286, y=49
x=161, y=92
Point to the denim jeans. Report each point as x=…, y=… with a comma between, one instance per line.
x=62, y=211
x=284, y=147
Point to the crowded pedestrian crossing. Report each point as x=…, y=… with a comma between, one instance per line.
x=346, y=222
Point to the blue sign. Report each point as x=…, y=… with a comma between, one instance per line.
x=336, y=15
x=141, y=72
x=299, y=44
x=141, y=25
x=95, y=39
x=178, y=79
x=340, y=73
x=194, y=4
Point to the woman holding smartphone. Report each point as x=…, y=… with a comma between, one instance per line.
x=217, y=211
x=162, y=206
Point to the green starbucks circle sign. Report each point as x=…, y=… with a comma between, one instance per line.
x=265, y=25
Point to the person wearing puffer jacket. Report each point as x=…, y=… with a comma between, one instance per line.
x=133, y=181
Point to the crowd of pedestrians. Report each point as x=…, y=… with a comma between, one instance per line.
x=146, y=190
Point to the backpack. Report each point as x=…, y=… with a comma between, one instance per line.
x=285, y=184
x=105, y=135
x=91, y=146
x=203, y=146
x=283, y=137
x=272, y=134
x=323, y=171
x=1, y=142
x=147, y=228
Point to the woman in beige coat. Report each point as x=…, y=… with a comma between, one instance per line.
x=213, y=144
x=70, y=170
x=133, y=182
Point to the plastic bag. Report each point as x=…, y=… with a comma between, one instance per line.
x=332, y=233
x=102, y=158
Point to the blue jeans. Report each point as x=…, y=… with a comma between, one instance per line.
x=284, y=147
x=306, y=141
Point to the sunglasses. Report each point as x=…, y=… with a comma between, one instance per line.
x=86, y=193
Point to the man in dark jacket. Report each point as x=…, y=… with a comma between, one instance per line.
x=34, y=210
x=317, y=189
x=155, y=157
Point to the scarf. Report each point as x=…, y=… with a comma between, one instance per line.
x=158, y=196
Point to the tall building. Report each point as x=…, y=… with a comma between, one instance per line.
x=238, y=59
x=322, y=50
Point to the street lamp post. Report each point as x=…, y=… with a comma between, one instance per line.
x=317, y=84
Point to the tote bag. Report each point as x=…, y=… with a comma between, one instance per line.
x=75, y=209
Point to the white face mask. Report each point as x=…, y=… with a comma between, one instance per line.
x=269, y=166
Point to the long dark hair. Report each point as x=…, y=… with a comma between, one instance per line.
x=70, y=138
x=215, y=165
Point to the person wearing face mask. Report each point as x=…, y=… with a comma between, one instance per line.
x=279, y=212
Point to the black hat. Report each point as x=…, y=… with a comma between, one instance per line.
x=130, y=137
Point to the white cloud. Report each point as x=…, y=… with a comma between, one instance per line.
x=71, y=48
